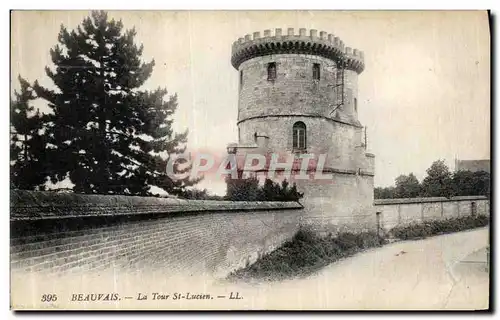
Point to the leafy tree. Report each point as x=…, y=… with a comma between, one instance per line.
x=249, y=190
x=243, y=189
x=384, y=193
x=111, y=136
x=463, y=183
x=438, y=182
x=28, y=157
x=273, y=191
x=407, y=186
x=468, y=183
x=483, y=183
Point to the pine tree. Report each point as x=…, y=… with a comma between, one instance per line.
x=28, y=169
x=294, y=194
x=111, y=136
x=270, y=190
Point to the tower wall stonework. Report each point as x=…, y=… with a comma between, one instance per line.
x=293, y=92
x=268, y=109
x=344, y=203
x=339, y=141
x=351, y=92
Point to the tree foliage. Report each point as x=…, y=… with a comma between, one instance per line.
x=439, y=182
x=27, y=155
x=407, y=186
x=248, y=189
x=384, y=193
x=274, y=191
x=110, y=136
x=242, y=189
x=467, y=183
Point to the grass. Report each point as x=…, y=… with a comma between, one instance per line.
x=307, y=252
x=304, y=254
x=437, y=227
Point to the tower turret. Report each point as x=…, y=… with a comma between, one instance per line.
x=298, y=93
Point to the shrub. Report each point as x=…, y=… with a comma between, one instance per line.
x=305, y=253
x=248, y=189
x=436, y=227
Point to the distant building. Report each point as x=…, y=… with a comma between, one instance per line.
x=472, y=165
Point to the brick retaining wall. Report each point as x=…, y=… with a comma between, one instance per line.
x=57, y=233
x=67, y=233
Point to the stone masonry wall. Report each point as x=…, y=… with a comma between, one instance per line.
x=394, y=212
x=351, y=85
x=205, y=242
x=340, y=142
x=183, y=240
x=294, y=91
x=344, y=203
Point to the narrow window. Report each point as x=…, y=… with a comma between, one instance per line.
x=271, y=71
x=316, y=72
x=339, y=77
x=473, y=208
x=241, y=79
x=355, y=105
x=299, y=136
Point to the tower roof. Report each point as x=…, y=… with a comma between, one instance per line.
x=325, y=45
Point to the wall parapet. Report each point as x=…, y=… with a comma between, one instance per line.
x=324, y=44
x=426, y=200
x=42, y=205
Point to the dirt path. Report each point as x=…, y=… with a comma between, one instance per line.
x=442, y=272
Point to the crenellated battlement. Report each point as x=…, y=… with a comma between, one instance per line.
x=287, y=41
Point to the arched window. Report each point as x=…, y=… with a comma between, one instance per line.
x=355, y=105
x=271, y=71
x=299, y=136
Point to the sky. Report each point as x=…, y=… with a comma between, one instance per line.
x=424, y=94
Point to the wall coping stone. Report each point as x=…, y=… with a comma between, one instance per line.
x=380, y=202
x=43, y=205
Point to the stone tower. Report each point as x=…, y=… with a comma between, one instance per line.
x=298, y=93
